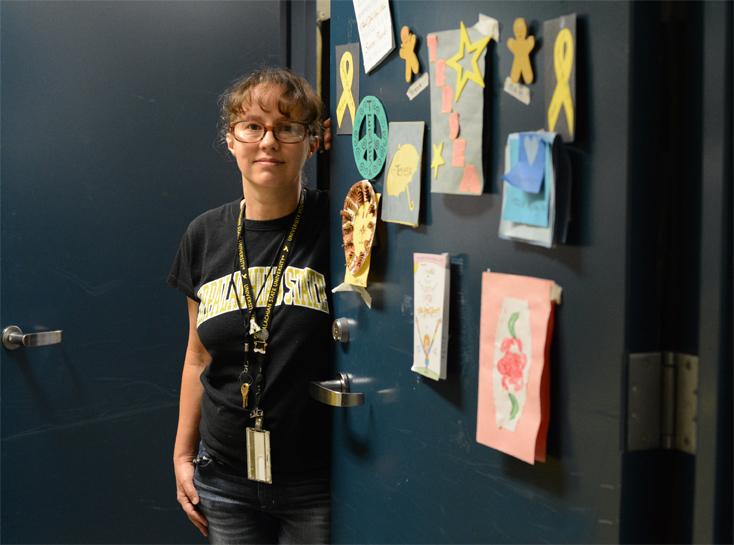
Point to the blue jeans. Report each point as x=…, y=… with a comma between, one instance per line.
x=244, y=511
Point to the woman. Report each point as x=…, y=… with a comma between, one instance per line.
x=251, y=451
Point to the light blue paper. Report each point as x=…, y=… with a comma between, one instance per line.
x=521, y=206
x=527, y=173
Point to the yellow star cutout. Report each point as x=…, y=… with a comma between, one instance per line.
x=437, y=159
x=462, y=76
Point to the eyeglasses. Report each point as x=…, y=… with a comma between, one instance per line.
x=287, y=132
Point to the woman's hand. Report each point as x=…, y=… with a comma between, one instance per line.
x=186, y=494
x=327, y=136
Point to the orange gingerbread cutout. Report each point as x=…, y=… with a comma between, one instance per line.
x=407, y=52
x=521, y=46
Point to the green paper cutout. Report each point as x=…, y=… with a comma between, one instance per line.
x=370, y=151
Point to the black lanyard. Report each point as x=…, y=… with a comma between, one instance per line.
x=260, y=332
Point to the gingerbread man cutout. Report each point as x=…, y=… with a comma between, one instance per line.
x=521, y=46
x=407, y=52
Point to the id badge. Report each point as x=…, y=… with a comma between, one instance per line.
x=258, y=455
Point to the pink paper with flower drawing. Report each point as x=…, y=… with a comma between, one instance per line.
x=515, y=331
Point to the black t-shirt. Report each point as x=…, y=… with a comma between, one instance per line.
x=206, y=269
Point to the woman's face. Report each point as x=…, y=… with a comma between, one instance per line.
x=269, y=164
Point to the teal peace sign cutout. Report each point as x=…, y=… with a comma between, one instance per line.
x=369, y=146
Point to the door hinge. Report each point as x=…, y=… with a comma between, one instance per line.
x=662, y=399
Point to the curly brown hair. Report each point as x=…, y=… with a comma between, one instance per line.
x=298, y=101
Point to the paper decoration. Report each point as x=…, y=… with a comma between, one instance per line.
x=536, y=190
x=560, y=75
x=369, y=137
x=347, y=86
x=457, y=87
x=375, y=31
x=521, y=46
x=407, y=53
x=431, y=287
x=359, y=221
x=518, y=91
x=516, y=327
x=419, y=85
x=402, y=179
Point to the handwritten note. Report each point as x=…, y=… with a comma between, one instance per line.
x=375, y=31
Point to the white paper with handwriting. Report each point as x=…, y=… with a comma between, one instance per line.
x=375, y=31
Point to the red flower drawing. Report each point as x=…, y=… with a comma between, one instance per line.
x=512, y=364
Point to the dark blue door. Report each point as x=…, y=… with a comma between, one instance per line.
x=407, y=466
x=109, y=113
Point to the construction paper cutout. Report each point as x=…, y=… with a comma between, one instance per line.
x=440, y=72
x=431, y=287
x=359, y=290
x=527, y=174
x=437, y=160
x=517, y=90
x=516, y=328
x=407, y=53
x=375, y=31
x=454, y=125
x=359, y=220
x=560, y=75
x=470, y=109
x=370, y=148
x=448, y=98
x=470, y=182
x=432, y=41
x=419, y=85
x=516, y=202
x=402, y=179
x=467, y=46
x=347, y=86
x=458, y=147
x=521, y=46
x=521, y=206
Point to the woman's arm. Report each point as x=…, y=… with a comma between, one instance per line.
x=187, y=435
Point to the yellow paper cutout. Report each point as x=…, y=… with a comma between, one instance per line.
x=402, y=167
x=407, y=53
x=360, y=277
x=346, y=101
x=563, y=66
x=437, y=159
x=521, y=46
x=463, y=76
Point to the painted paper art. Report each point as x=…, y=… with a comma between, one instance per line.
x=369, y=137
x=431, y=284
x=402, y=178
x=359, y=221
x=559, y=74
x=516, y=328
x=347, y=86
x=457, y=64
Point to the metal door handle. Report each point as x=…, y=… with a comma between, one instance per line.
x=336, y=392
x=13, y=337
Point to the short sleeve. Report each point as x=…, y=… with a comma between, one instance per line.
x=182, y=274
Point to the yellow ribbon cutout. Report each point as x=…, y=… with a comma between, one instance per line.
x=346, y=74
x=562, y=65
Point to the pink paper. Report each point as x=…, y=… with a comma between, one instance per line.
x=458, y=147
x=470, y=182
x=440, y=72
x=432, y=41
x=448, y=98
x=514, y=347
x=454, y=125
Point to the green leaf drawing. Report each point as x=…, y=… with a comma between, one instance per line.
x=511, y=324
x=515, y=407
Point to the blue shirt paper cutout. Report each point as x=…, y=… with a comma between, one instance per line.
x=526, y=207
x=527, y=173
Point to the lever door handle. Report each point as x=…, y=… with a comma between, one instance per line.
x=335, y=392
x=13, y=337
